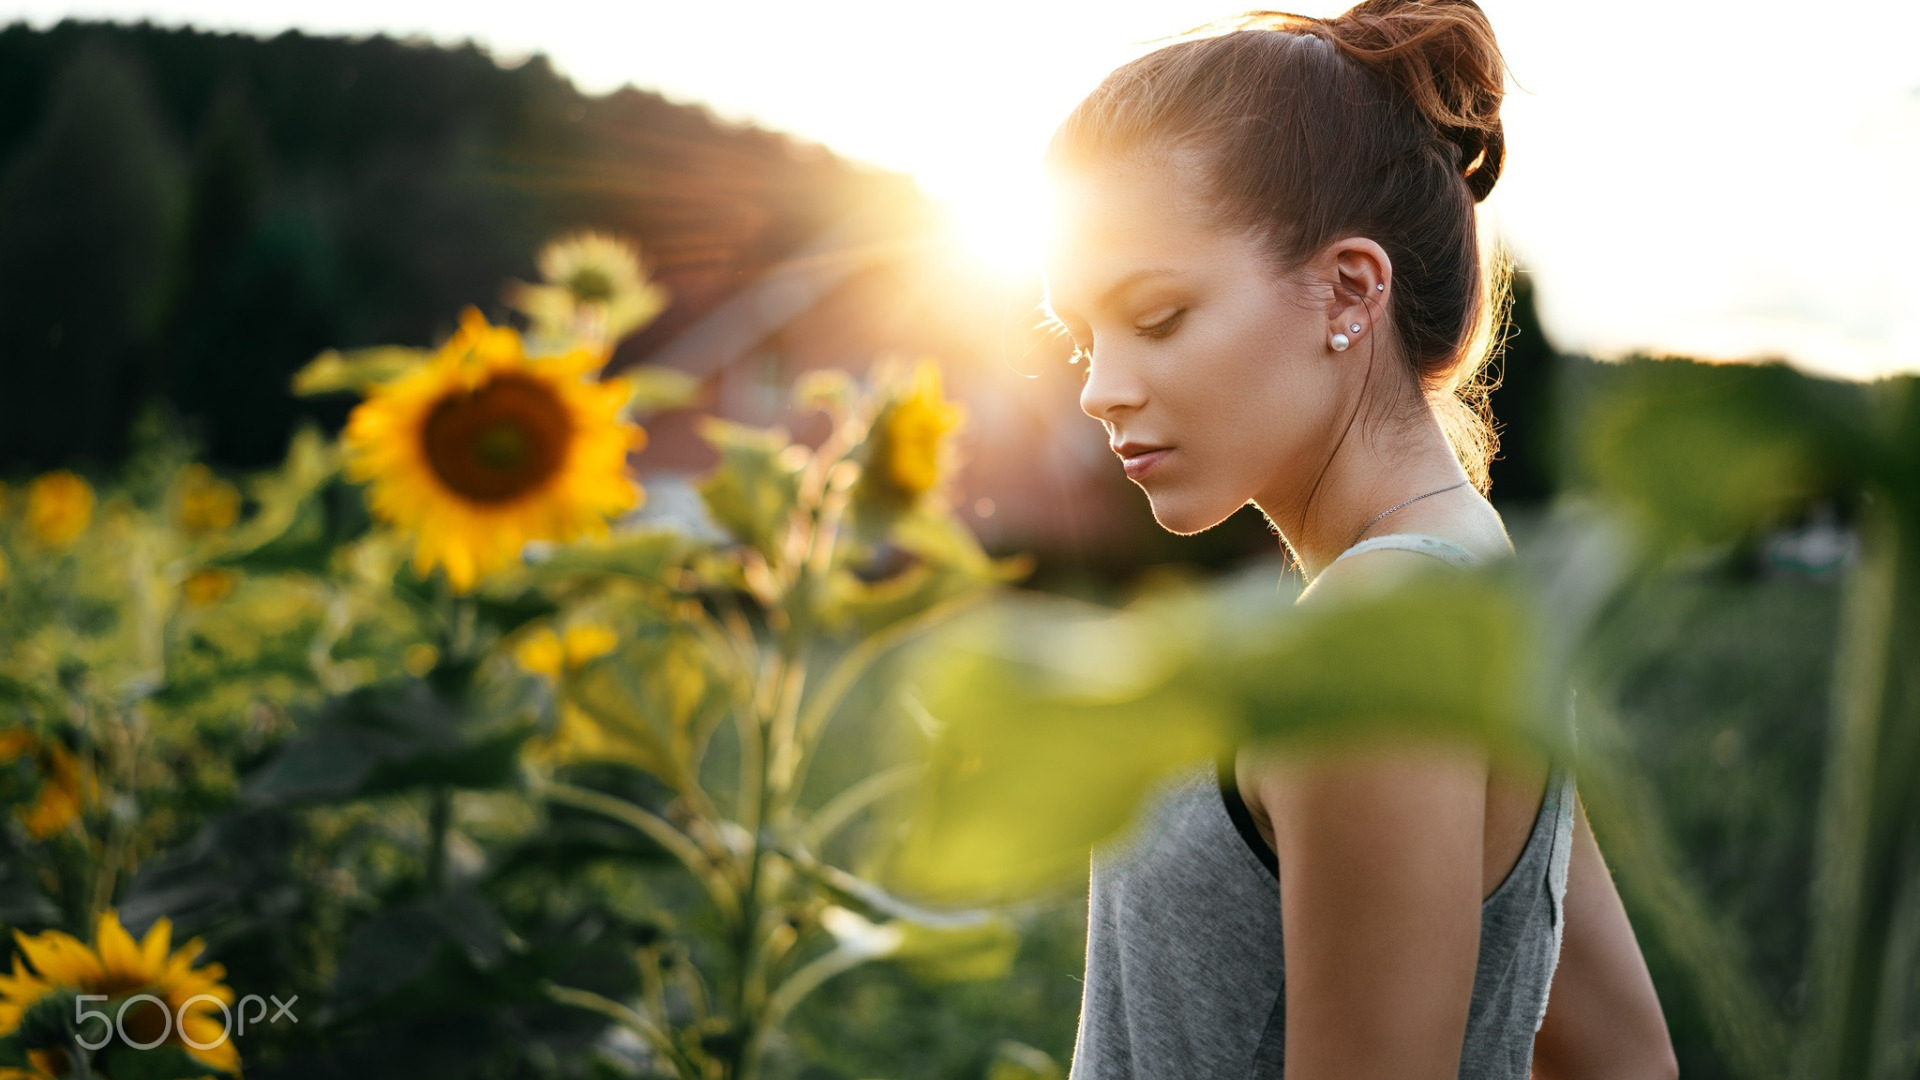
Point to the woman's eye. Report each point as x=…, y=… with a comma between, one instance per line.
x=1163, y=327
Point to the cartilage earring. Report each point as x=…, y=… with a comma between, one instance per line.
x=1355, y=328
x=1340, y=343
x=1379, y=286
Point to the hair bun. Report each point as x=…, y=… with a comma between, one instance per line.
x=1443, y=56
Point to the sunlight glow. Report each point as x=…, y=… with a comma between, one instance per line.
x=1000, y=225
x=1681, y=172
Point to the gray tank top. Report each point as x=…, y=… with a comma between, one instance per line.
x=1185, y=979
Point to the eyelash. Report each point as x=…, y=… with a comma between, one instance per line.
x=1158, y=330
x=1163, y=327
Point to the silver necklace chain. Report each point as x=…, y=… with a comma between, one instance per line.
x=1375, y=520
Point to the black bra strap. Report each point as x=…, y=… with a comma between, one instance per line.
x=1241, y=817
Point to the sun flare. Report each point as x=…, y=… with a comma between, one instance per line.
x=999, y=224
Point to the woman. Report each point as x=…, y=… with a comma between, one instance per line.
x=1268, y=258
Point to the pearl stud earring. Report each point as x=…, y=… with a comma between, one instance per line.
x=1340, y=343
x=1355, y=328
x=1379, y=286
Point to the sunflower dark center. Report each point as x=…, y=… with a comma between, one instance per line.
x=500, y=441
x=145, y=1023
x=590, y=285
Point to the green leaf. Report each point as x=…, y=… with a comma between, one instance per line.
x=1054, y=721
x=334, y=372
x=1018, y=1061
x=643, y=701
x=49, y=1021
x=383, y=739
x=1047, y=742
x=302, y=512
x=752, y=493
x=654, y=555
x=657, y=388
x=983, y=948
x=507, y=609
x=22, y=903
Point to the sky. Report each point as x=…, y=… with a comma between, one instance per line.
x=1684, y=176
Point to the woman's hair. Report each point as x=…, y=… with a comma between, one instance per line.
x=1383, y=123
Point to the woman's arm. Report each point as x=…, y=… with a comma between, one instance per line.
x=1380, y=890
x=1603, y=1019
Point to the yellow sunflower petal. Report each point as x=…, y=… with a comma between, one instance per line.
x=541, y=653
x=220, y=1053
x=18, y=992
x=483, y=450
x=59, y=958
x=155, y=947
x=119, y=956
x=586, y=642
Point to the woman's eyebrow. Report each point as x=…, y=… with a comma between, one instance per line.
x=1127, y=281
x=1130, y=280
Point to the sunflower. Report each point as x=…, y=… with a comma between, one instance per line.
x=483, y=449
x=204, y=588
x=914, y=433
x=595, y=291
x=59, y=509
x=64, y=785
x=204, y=503
x=575, y=736
x=122, y=969
x=544, y=652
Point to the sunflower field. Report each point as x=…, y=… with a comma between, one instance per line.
x=430, y=753
x=456, y=769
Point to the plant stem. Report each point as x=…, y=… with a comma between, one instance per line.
x=1868, y=805
x=847, y=672
x=790, y=993
x=657, y=829
x=645, y=1028
x=439, y=819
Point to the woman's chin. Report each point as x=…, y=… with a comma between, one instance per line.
x=1186, y=516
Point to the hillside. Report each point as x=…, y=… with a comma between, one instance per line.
x=187, y=216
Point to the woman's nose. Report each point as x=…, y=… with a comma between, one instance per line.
x=1109, y=390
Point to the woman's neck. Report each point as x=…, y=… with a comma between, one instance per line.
x=1369, y=472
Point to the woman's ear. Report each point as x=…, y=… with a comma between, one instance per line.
x=1362, y=277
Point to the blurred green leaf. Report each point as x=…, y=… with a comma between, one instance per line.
x=654, y=555
x=752, y=493
x=1039, y=755
x=643, y=702
x=1054, y=721
x=387, y=738
x=22, y=903
x=981, y=948
x=1018, y=1061
x=334, y=371
x=657, y=388
x=303, y=511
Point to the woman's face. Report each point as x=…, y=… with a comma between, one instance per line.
x=1210, y=371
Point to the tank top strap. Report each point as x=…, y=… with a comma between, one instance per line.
x=1439, y=547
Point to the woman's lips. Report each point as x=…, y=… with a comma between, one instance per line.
x=1139, y=465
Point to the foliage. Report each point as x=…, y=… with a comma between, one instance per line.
x=1056, y=720
x=479, y=823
